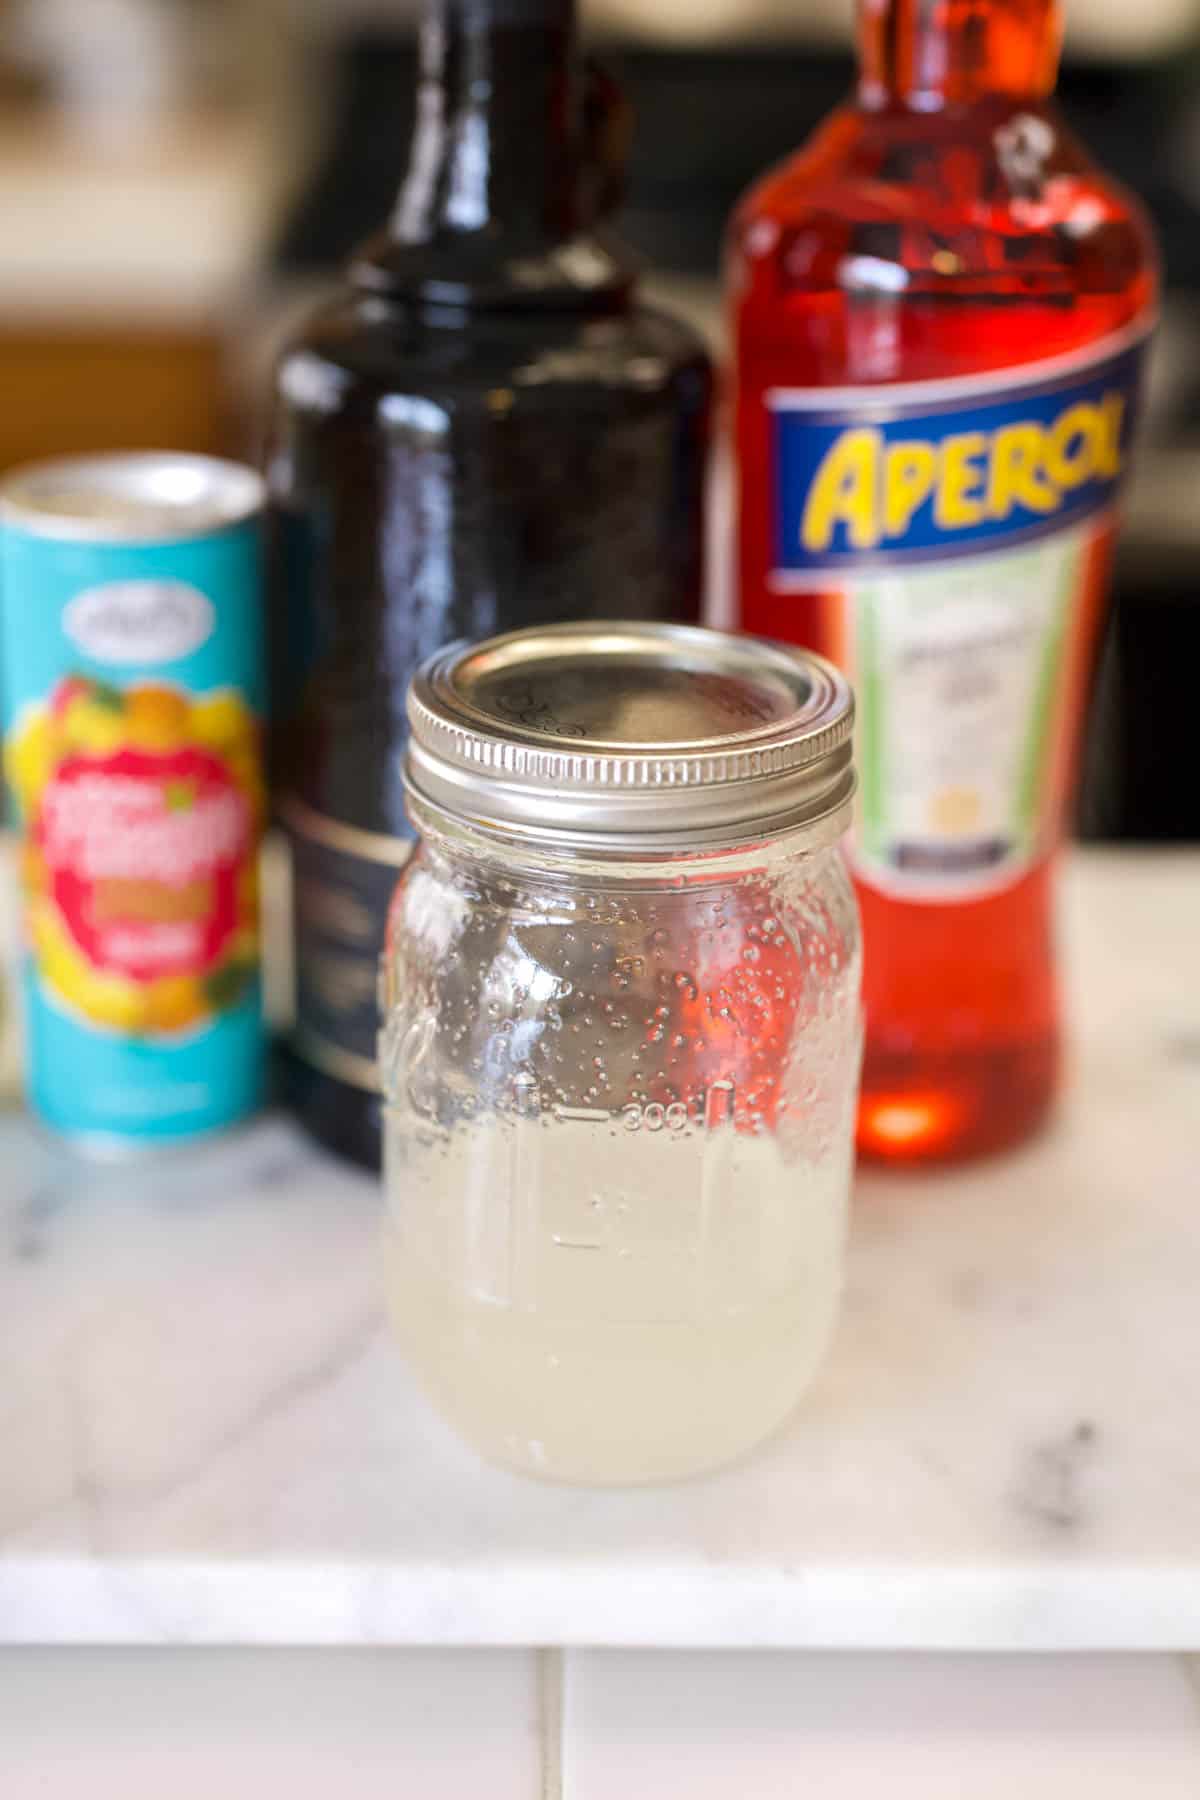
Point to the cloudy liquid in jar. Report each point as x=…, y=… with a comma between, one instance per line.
x=622, y=1297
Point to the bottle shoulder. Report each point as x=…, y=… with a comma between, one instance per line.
x=1000, y=196
x=357, y=344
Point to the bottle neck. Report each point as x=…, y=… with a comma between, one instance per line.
x=495, y=147
x=928, y=54
x=512, y=160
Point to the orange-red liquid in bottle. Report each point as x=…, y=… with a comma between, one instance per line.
x=939, y=311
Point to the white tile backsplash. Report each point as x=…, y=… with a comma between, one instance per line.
x=770, y=1726
x=274, y=1725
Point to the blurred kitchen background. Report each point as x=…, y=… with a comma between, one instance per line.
x=178, y=178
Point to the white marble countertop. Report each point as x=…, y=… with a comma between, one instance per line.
x=207, y=1437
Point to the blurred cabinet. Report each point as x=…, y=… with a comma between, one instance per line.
x=127, y=273
x=112, y=385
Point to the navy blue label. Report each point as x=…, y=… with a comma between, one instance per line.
x=342, y=885
x=937, y=469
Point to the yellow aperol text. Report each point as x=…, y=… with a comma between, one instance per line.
x=874, y=489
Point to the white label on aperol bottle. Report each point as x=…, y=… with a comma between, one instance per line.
x=957, y=535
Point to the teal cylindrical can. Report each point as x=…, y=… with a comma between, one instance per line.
x=133, y=682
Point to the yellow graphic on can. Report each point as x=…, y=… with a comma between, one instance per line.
x=141, y=811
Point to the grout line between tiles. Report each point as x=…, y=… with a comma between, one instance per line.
x=550, y=1722
x=1190, y=1665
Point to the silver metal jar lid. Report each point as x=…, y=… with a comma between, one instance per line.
x=632, y=737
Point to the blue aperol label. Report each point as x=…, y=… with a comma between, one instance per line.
x=955, y=538
x=875, y=477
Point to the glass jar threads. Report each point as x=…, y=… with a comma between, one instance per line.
x=621, y=1044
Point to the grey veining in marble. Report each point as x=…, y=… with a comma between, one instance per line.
x=206, y=1435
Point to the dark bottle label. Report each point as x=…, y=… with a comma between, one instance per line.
x=342, y=883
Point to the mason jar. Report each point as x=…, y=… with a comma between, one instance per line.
x=621, y=1044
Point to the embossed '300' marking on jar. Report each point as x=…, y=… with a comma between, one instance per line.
x=654, y=1116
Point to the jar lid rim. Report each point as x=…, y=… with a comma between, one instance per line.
x=625, y=733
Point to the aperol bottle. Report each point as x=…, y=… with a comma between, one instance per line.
x=940, y=307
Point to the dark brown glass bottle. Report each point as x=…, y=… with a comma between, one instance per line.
x=482, y=431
